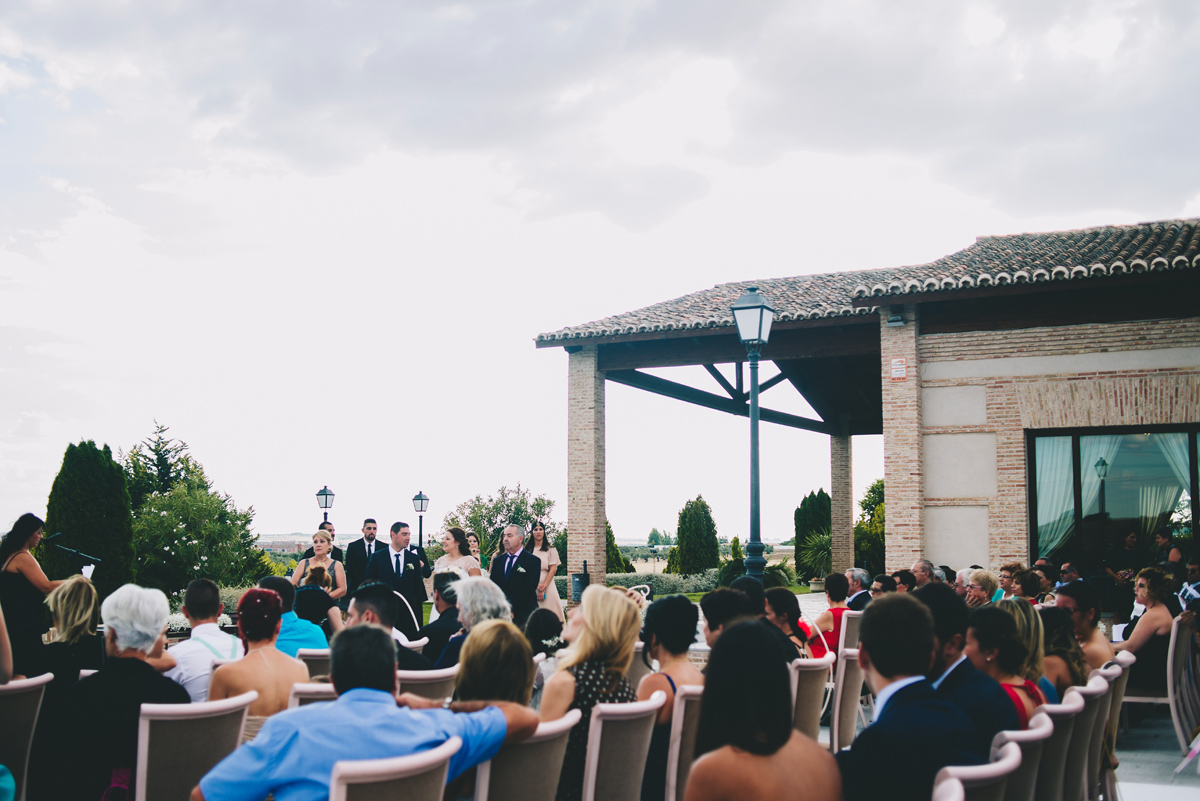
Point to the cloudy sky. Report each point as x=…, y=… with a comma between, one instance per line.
x=317, y=240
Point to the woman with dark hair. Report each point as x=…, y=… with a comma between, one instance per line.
x=1149, y=634
x=829, y=622
x=1026, y=585
x=783, y=611
x=1168, y=551
x=457, y=554
x=314, y=603
x=264, y=668
x=23, y=590
x=667, y=632
x=1063, y=661
x=539, y=545
x=745, y=744
x=995, y=647
x=544, y=632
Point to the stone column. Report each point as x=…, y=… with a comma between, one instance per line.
x=585, y=464
x=903, y=465
x=841, y=494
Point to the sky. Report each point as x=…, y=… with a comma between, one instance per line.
x=317, y=240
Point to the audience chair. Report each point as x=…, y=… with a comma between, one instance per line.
x=637, y=669
x=1051, y=772
x=986, y=782
x=538, y=659
x=317, y=660
x=302, y=694
x=20, y=703
x=949, y=790
x=1183, y=695
x=1032, y=742
x=847, y=689
x=437, y=684
x=528, y=770
x=1126, y=660
x=179, y=743
x=1111, y=674
x=851, y=623
x=417, y=645
x=685, y=722
x=809, y=677
x=618, y=743
x=1075, y=770
x=417, y=777
x=84, y=673
x=405, y=606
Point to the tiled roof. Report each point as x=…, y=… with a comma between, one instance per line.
x=991, y=261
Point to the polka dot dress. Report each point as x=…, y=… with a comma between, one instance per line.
x=590, y=683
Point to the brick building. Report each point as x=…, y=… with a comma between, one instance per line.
x=1038, y=394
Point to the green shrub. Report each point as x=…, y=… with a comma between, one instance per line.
x=779, y=574
x=702, y=582
x=660, y=583
x=814, y=556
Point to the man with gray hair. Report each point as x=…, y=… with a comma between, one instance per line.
x=922, y=570
x=860, y=589
x=517, y=572
x=962, y=581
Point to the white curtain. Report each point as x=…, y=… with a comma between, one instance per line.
x=1091, y=450
x=1175, y=448
x=1055, y=495
x=1155, y=504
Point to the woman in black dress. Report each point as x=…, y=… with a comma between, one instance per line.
x=23, y=589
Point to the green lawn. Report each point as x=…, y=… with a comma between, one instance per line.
x=798, y=589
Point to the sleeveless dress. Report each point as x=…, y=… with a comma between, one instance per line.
x=1014, y=694
x=654, y=780
x=330, y=571
x=833, y=636
x=591, y=688
x=464, y=563
x=550, y=563
x=1149, y=673
x=24, y=608
x=816, y=646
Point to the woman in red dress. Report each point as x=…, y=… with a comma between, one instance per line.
x=995, y=647
x=837, y=587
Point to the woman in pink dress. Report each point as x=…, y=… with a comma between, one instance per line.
x=539, y=545
x=837, y=587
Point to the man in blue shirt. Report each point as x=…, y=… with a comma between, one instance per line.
x=294, y=754
x=294, y=633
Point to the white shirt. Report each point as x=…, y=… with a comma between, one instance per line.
x=371, y=547
x=194, y=658
x=886, y=694
x=392, y=554
x=942, y=677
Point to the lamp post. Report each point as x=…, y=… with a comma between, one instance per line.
x=753, y=316
x=1101, y=473
x=420, y=503
x=325, y=500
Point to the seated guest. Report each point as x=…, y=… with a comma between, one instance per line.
x=294, y=754
x=294, y=633
x=1047, y=576
x=753, y=589
x=783, y=611
x=745, y=745
x=194, y=656
x=917, y=730
x=829, y=622
x=962, y=581
x=1029, y=629
x=495, y=663
x=721, y=608
x=102, y=737
x=858, y=591
x=982, y=589
x=602, y=632
x=375, y=602
x=1082, y=603
x=315, y=604
x=905, y=580
x=445, y=603
x=1190, y=590
x=1067, y=573
x=947, y=574
x=1149, y=634
x=995, y=646
x=1064, y=662
x=1005, y=576
x=265, y=669
x=955, y=678
x=1026, y=585
x=479, y=599
x=881, y=584
x=543, y=630
x=667, y=633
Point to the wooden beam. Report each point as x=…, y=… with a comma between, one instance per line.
x=725, y=385
x=770, y=382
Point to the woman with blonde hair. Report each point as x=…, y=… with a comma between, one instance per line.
x=1065, y=663
x=1029, y=629
x=602, y=632
x=322, y=556
x=495, y=664
x=982, y=589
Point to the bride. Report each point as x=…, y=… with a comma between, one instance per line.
x=457, y=553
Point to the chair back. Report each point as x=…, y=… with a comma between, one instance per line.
x=539, y=658
x=685, y=722
x=1111, y=674
x=179, y=743
x=302, y=694
x=949, y=790
x=847, y=689
x=427, y=683
x=809, y=677
x=417, y=645
x=84, y=673
x=1126, y=660
x=637, y=668
x=618, y=743
x=528, y=770
x=20, y=703
x=416, y=777
x=1049, y=785
x=985, y=782
x=1183, y=688
x=851, y=623
x=316, y=659
x=406, y=607
x=1075, y=771
x=1032, y=742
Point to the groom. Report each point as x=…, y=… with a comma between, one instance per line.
x=517, y=572
x=403, y=569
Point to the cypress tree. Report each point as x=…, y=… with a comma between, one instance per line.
x=696, y=538
x=815, y=513
x=89, y=504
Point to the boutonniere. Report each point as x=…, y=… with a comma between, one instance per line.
x=520, y=569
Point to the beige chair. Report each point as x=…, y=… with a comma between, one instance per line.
x=618, y=743
x=83, y=674
x=1032, y=742
x=20, y=703
x=851, y=623
x=1075, y=770
x=685, y=722
x=1183, y=691
x=949, y=790
x=417, y=777
x=847, y=689
x=528, y=770
x=1126, y=660
x=317, y=660
x=179, y=743
x=1111, y=673
x=417, y=645
x=637, y=669
x=1050, y=777
x=809, y=677
x=985, y=782
x=302, y=694
x=427, y=683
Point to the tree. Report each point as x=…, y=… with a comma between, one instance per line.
x=89, y=505
x=872, y=499
x=657, y=538
x=814, y=554
x=813, y=514
x=157, y=464
x=868, y=541
x=734, y=566
x=696, y=536
x=614, y=561
x=489, y=516
x=672, y=560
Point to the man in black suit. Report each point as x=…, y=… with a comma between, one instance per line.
x=404, y=571
x=335, y=552
x=374, y=602
x=517, y=572
x=917, y=731
x=445, y=601
x=978, y=695
x=859, y=594
x=358, y=556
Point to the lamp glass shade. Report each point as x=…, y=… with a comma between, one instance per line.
x=753, y=316
x=325, y=498
x=420, y=503
x=1101, y=469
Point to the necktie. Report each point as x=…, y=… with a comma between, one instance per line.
x=508, y=566
x=399, y=566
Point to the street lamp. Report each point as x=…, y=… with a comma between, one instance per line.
x=420, y=503
x=753, y=316
x=325, y=500
x=1101, y=473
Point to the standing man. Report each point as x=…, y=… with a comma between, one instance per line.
x=922, y=571
x=517, y=572
x=358, y=556
x=335, y=552
x=403, y=570
x=860, y=589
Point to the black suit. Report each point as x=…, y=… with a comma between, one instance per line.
x=520, y=585
x=382, y=568
x=896, y=758
x=860, y=601
x=336, y=553
x=426, y=571
x=983, y=701
x=439, y=633
x=356, y=562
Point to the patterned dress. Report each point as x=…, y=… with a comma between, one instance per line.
x=590, y=686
